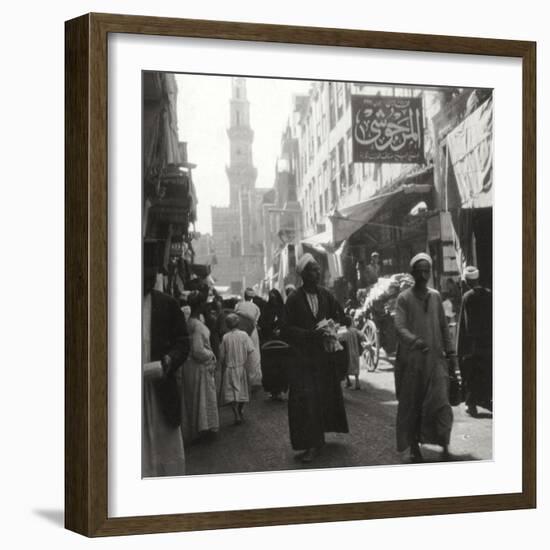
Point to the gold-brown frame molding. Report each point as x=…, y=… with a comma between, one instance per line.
x=86, y=282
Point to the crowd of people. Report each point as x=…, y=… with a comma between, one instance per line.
x=199, y=355
x=207, y=353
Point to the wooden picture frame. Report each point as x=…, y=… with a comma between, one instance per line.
x=86, y=280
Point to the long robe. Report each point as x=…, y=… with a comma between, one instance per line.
x=200, y=408
x=315, y=401
x=424, y=413
x=254, y=370
x=353, y=338
x=475, y=346
x=236, y=351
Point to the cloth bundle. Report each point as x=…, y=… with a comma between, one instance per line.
x=331, y=343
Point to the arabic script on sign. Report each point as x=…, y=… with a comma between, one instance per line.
x=387, y=129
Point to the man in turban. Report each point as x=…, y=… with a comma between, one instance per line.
x=372, y=271
x=475, y=343
x=424, y=414
x=315, y=401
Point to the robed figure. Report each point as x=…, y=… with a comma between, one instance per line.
x=475, y=343
x=424, y=413
x=315, y=400
x=165, y=348
x=276, y=354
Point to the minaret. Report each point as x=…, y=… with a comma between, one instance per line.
x=241, y=172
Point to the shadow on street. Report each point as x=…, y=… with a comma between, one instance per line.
x=262, y=442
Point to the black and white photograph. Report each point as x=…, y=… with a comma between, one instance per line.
x=317, y=274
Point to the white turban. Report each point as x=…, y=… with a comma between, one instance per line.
x=304, y=260
x=421, y=256
x=471, y=273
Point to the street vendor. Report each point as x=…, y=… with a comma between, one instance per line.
x=315, y=401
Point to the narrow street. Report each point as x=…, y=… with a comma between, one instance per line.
x=262, y=443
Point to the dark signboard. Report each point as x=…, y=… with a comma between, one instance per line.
x=387, y=129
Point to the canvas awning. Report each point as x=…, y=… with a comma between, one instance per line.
x=470, y=149
x=351, y=219
x=324, y=237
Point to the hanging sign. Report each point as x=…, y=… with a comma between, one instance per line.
x=387, y=129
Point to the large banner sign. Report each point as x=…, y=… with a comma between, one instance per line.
x=387, y=129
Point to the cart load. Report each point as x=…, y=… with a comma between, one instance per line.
x=382, y=295
x=375, y=315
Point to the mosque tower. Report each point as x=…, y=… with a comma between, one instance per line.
x=241, y=171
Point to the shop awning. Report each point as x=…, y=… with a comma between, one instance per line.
x=321, y=238
x=350, y=219
x=470, y=147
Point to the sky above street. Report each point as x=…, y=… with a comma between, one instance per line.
x=203, y=118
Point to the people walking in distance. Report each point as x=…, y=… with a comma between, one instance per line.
x=475, y=343
x=315, y=402
x=235, y=351
x=424, y=414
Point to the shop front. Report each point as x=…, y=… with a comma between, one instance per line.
x=393, y=224
x=463, y=234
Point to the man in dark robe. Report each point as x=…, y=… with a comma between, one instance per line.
x=165, y=347
x=261, y=324
x=475, y=343
x=315, y=401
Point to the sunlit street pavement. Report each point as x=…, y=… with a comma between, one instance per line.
x=262, y=442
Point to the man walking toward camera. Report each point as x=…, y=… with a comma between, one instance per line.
x=424, y=414
x=315, y=401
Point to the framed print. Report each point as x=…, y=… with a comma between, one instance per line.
x=299, y=281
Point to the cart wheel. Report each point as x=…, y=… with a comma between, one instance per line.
x=371, y=347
